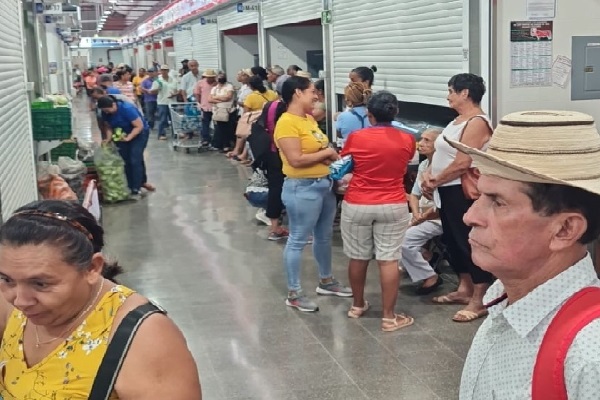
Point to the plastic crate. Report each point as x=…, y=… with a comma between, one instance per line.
x=42, y=105
x=67, y=149
x=51, y=124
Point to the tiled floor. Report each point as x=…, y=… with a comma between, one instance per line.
x=195, y=247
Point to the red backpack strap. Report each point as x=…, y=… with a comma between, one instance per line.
x=549, y=371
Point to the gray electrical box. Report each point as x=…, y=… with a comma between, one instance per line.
x=586, y=68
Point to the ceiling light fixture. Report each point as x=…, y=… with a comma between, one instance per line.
x=107, y=12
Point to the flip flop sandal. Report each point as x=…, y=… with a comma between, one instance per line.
x=468, y=316
x=357, y=312
x=447, y=300
x=392, y=325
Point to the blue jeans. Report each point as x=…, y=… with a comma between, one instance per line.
x=150, y=108
x=133, y=155
x=205, y=132
x=311, y=208
x=164, y=116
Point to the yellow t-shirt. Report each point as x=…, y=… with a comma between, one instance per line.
x=311, y=140
x=256, y=100
x=137, y=84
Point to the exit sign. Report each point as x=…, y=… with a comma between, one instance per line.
x=326, y=17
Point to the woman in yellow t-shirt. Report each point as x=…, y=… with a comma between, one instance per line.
x=260, y=95
x=137, y=84
x=307, y=191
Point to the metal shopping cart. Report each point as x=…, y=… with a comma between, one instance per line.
x=185, y=122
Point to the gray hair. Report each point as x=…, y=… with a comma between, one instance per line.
x=277, y=70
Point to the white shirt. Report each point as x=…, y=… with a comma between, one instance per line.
x=424, y=203
x=188, y=83
x=501, y=359
x=445, y=154
x=165, y=90
x=223, y=91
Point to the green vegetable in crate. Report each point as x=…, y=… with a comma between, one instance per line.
x=118, y=135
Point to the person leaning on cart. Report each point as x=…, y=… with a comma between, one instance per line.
x=166, y=88
x=129, y=130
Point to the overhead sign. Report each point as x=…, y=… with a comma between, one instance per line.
x=53, y=8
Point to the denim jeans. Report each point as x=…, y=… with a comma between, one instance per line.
x=311, y=208
x=164, y=116
x=150, y=108
x=133, y=155
x=205, y=132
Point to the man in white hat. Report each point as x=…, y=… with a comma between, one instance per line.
x=202, y=94
x=540, y=196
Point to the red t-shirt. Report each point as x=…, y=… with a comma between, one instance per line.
x=381, y=155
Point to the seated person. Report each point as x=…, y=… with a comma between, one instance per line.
x=425, y=224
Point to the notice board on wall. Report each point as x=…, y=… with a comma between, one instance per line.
x=531, y=53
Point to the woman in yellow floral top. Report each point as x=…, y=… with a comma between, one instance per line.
x=59, y=311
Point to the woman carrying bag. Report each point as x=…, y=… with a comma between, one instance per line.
x=224, y=114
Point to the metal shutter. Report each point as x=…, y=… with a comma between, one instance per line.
x=141, y=56
x=183, y=43
x=281, y=12
x=206, y=44
x=231, y=18
x=17, y=167
x=417, y=45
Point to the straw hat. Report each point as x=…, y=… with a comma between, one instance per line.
x=209, y=73
x=164, y=67
x=557, y=147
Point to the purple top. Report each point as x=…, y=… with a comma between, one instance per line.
x=147, y=84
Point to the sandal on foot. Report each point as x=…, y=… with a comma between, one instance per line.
x=449, y=300
x=393, y=324
x=468, y=316
x=357, y=312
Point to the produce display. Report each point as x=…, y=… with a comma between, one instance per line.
x=111, y=171
x=58, y=99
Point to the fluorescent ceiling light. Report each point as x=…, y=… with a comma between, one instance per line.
x=113, y=1
x=107, y=12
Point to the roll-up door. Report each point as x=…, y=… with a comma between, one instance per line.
x=206, y=43
x=282, y=12
x=417, y=45
x=183, y=44
x=232, y=18
x=17, y=166
x=141, y=55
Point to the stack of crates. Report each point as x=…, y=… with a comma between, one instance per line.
x=50, y=123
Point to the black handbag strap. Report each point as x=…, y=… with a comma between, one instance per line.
x=117, y=350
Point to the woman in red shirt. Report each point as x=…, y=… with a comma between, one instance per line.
x=375, y=211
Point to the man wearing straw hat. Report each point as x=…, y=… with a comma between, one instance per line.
x=540, y=197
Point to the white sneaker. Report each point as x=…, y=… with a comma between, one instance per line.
x=261, y=215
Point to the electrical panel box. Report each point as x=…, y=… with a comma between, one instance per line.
x=586, y=68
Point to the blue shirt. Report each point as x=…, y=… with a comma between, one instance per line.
x=124, y=117
x=147, y=84
x=112, y=90
x=352, y=120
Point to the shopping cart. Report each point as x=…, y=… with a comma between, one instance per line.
x=185, y=120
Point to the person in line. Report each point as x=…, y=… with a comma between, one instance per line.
x=320, y=109
x=262, y=73
x=260, y=95
x=276, y=76
x=239, y=151
x=149, y=100
x=293, y=70
x=202, y=93
x=365, y=75
x=106, y=82
x=307, y=192
x=137, y=85
x=471, y=127
x=190, y=80
x=61, y=307
x=165, y=88
x=90, y=78
x=123, y=115
x=357, y=95
x=425, y=223
x=124, y=84
x=374, y=211
x=537, y=212
x=222, y=99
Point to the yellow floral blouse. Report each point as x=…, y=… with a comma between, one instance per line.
x=69, y=371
